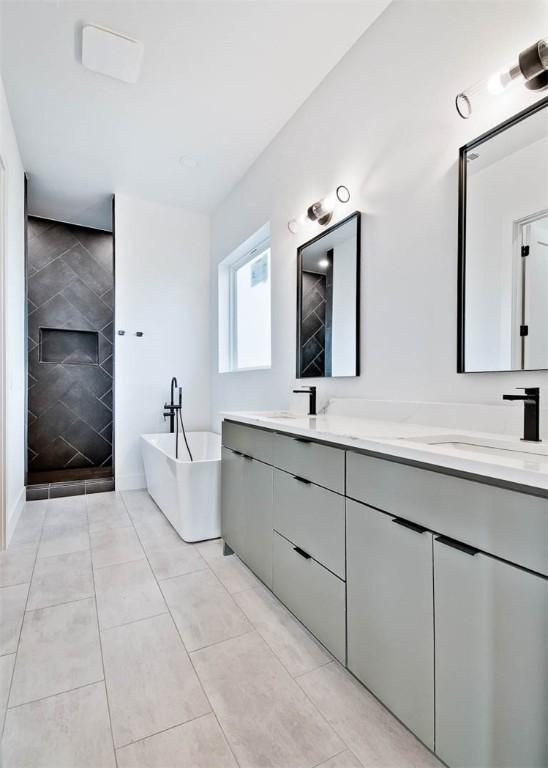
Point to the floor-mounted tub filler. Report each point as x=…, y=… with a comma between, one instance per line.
x=187, y=492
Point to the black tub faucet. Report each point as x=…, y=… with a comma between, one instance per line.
x=311, y=392
x=170, y=409
x=531, y=412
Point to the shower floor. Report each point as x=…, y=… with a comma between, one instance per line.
x=71, y=487
x=68, y=475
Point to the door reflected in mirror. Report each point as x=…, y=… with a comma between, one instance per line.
x=328, y=269
x=503, y=275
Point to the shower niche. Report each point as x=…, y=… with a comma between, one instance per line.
x=62, y=346
x=70, y=313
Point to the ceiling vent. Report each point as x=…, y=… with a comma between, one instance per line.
x=111, y=53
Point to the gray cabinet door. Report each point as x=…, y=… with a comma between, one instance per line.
x=312, y=593
x=390, y=614
x=253, y=441
x=233, y=524
x=257, y=492
x=321, y=464
x=508, y=524
x=491, y=624
x=311, y=517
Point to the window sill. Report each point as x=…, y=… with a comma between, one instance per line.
x=248, y=370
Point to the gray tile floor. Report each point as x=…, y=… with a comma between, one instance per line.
x=120, y=645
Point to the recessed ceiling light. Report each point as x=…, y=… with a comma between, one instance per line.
x=323, y=263
x=111, y=53
x=188, y=162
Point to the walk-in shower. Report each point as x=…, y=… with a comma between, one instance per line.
x=70, y=313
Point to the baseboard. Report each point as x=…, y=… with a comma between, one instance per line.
x=14, y=514
x=130, y=482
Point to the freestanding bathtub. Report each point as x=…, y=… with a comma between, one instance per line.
x=188, y=493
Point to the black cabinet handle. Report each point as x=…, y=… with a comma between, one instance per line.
x=408, y=524
x=301, y=440
x=468, y=550
x=249, y=458
x=237, y=453
x=302, y=553
x=301, y=480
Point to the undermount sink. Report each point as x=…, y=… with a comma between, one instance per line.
x=278, y=415
x=511, y=448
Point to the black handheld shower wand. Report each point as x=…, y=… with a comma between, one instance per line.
x=184, y=435
x=175, y=416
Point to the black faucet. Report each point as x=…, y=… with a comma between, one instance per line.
x=531, y=413
x=311, y=392
x=170, y=409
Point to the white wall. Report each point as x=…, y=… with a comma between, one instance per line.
x=384, y=123
x=162, y=289
x=14, y=264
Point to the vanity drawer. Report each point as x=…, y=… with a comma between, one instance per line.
x=312, y=593
x=312, y=518
x=250, y=441
x=502, y=522
x=319, y=463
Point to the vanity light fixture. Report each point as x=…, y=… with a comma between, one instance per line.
x=322, y=210
x=531, y=69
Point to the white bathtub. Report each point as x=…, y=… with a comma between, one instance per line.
x=188, y=493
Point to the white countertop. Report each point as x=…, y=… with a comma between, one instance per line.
x=510, y=460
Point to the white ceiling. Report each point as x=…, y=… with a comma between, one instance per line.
x=219, y=80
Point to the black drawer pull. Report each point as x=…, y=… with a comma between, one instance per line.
x=457, y=545
x=302, y=553
x=301, y=479
x=408, y=524
x=302, y=440
x=236, y=453
x=249, y=458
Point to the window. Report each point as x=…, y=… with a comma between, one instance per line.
x=244, y=306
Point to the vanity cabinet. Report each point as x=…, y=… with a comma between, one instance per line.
x=309, y=558
x=257, y=487
x=233, y=500
x=248, y=441
x=247, y=511
x=431, y=588
x=503, y=522
x=312, y=593
x=312, y=518
x=321, y=464
x=491, y=625
x=281, y=518
x=390, y=613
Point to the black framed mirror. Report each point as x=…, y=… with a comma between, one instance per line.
x=328, y=302
x=503, y=246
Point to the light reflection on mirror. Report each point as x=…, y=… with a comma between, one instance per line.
x=506, y=249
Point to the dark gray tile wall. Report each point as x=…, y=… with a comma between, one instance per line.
x=313, y=324
x=70, y=288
